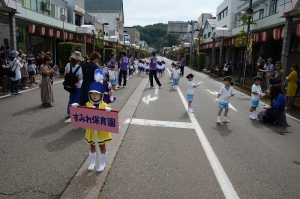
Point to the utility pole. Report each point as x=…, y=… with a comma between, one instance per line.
x=247, y=44
x=191, y=45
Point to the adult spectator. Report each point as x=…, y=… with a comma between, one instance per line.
x=230, y=70
x=291, y=87
x=269, y=67
x=46, y=84
x=88, y=69
x=24, y=72
x=275, y=113
x=152, y=71
x=124, y=61
x=112, y=62
x=226, y=68
x=279, y=76
x=182, y=65
x=7, y=51
x=15, y=65
x=260, y=66
x=4, y=67
x=74, y=66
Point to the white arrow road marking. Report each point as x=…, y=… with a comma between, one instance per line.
x=212, y=92
x=216, y=93
x=148, y=98
x=68, y=120
x=158, y=123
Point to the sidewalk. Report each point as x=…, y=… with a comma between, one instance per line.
x=37, y=79
x=248, y=85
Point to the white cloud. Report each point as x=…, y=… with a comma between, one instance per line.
x=145, y=12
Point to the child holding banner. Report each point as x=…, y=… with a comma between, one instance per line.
x=96, y=94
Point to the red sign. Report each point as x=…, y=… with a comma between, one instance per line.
x=62, y=17
x=96, y=119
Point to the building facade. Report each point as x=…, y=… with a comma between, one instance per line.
x=111, y=11
x=134, y=35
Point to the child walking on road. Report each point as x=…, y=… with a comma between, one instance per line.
x=176, y=76
x=224, y=95
x=256, y=93
x=191, y=91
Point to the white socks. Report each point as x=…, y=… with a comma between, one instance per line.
x=102, y=162
x=93, y=161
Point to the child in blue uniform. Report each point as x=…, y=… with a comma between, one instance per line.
x=224, y=95
x=256, y=93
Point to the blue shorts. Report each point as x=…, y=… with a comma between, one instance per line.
x=130, y=70
x=142, y=69
x=223, y=105
x=159, y=70
x=31, y=73
x=112, y=81
x=190, y=97
x=254, y=103
x=175, y=80
x=147, y=70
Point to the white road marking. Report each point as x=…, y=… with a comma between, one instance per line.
x=148, y=98
x=68, y=120
x=158, y=123
x=28, y=90
x=216, y=93
x=219, y=172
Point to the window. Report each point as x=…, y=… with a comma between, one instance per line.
x=77, y=20
x=208, y=35
x=258, y=15
x=34, y=5
x=223, y=14
x=205, y=36
x=275, y=7
x=56, y=11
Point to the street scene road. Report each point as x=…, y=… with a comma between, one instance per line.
x=181, y=99
x=166, y=152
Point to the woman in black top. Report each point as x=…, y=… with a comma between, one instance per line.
x=88, y=70
x=3, y=70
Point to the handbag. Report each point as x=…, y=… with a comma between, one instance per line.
x=12, y=73
x=225, y=68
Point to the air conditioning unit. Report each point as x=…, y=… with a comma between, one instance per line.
x=47, y=6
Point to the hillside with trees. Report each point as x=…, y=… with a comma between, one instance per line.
x=156, y=35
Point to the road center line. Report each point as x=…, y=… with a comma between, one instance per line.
x=219, y=172
x=157, y=123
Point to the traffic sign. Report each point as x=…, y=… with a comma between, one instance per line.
x=63, y=17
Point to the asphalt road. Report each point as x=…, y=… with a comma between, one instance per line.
x=252, y=159
x=39, y=152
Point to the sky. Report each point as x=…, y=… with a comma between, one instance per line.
x=147, y=12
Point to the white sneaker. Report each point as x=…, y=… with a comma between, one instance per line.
x=219, y=121
x=25, y=88
x=255, y=117
x=124, y=86
x=225, y=120
x=190, y=110
x=159, y=87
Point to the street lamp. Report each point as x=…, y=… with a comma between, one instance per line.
x=103, y=42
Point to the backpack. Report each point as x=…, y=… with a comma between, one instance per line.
x=71, y=80
x=12, y=73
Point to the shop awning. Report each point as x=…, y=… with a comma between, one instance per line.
x=86, y=29
x=221, y=32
